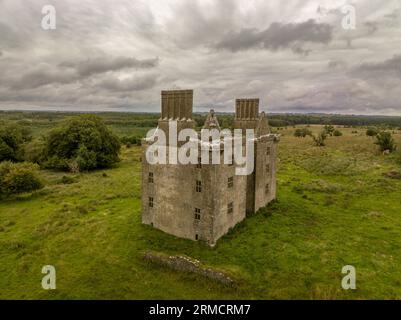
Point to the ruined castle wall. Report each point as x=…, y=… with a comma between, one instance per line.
x=175, y=198
x=223, y=219
x=265, y=167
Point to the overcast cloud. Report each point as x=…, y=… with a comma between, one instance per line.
x=118, y=55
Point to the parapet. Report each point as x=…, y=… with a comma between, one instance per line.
x=177, y=104
x=247, y=109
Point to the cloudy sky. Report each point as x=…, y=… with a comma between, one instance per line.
x=118, y=55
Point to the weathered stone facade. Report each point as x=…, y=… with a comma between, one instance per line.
x=204, y=201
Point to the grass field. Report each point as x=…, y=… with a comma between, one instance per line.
x=334, y=208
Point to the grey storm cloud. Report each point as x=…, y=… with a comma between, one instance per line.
x=69, y=72
x=38, y=78
x=376, y=70
x=102, y=65
x=278, y=36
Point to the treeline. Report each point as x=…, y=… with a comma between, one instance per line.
x=283, y=120
x=145, y=120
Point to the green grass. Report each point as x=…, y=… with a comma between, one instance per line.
x=334, y=208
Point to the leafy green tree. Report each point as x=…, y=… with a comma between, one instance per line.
x=385, y=141
x=86, y=159
x=33, y=151
x=19, y=177
x=81, y=143
x=12, y=139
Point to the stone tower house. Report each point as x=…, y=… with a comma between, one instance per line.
x=204, y=201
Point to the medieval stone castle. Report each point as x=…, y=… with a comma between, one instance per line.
x=204, y=201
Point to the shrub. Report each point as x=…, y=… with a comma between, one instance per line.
x=19, y=177
x=12, y=137
x=81, y=143
x=67, y=180
x=385, y=141
x=329, y=130
x=337, y=133
x=131, y=140
x=320, y=138
x=302, y=133
x=371, y=132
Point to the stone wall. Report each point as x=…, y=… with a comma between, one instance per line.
x=186, y=264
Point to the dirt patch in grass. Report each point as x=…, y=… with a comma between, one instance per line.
x=393, y=174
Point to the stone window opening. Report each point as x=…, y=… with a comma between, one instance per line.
x=198, y=186
x=197, y=214
x=230, y=182
x=267, y=167
x=196, y=237
x=150, y=177
x=267, y=189
x=150, y=202
x=230, y=208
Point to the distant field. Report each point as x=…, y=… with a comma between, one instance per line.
x=334, y=208
x=137, y=124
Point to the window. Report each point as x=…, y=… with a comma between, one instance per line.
x=150, y=202
x=198, y=186
x=199, y=164
x=197, y=214
x=230, y=182
x=267, y=189
x=150, y=177
x=230, y=207
x=196, y=237
x=268, y=151
x=268, y=167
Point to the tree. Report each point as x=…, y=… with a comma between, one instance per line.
x=385, y=141
x=33, y=151
x=329, y=129
x=320, y=138
x=12, y=138
x=19, y=177
x=81, y=143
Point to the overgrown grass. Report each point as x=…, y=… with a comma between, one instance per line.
x=334, y=208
